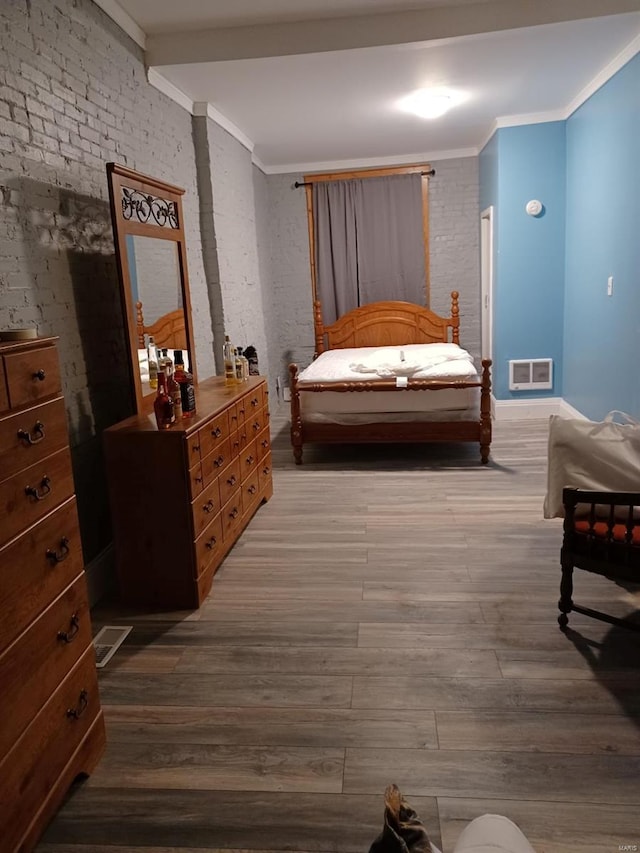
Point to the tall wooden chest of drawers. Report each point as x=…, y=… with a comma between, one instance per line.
x=51, y=724
x=181, y=497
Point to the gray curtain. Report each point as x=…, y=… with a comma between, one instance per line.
x=369, y=242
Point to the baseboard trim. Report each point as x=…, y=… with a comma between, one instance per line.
x=100, y=574
x=520, y=410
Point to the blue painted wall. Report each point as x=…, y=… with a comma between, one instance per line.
x=601, y=333
x=530, y=251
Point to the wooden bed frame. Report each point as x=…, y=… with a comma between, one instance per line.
x=169, y=331
x=389, y=324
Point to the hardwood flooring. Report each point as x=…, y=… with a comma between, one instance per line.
x=389, y=616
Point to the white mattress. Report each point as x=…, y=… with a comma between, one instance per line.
x=416, y=361
x=367, y=402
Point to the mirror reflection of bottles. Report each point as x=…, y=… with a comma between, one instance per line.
x=242, y=366
x=153, y=363
x=187, y=391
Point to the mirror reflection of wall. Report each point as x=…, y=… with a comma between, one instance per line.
x=155, y=276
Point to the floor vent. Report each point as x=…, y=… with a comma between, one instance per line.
x=107, y=642
x=531, y=374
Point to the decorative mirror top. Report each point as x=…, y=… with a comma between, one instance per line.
x=142, y=207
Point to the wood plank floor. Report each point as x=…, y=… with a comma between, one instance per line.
x=389, y=616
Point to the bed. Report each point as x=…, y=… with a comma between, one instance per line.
x=373, y=379
x=169, y=331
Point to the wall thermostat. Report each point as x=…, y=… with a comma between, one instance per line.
x=534, y=207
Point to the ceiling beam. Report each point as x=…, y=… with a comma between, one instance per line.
x=451, y=21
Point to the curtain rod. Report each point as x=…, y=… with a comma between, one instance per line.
x=297, y=184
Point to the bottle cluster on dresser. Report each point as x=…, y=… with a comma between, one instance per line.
x=238, y=364
x=175, y=395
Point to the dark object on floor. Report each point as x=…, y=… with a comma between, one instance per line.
x=403, y=831
x=601, y=535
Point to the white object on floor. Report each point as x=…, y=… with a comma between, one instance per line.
x=492, y=833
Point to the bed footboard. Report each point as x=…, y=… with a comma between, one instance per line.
x=296, y=418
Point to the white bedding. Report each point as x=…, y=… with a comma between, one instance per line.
x=415, y=361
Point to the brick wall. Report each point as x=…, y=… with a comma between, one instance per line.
x=73, y=96
x=236, y=242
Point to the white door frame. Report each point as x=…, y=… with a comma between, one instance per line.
x=486, y=282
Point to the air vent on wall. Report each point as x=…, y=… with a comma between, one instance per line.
x=107, y=642
x=531, y=374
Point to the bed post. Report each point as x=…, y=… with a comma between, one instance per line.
x=296, y=420
x=140, y=325
x=455, y=318
x=485, y=411
x=318, y=328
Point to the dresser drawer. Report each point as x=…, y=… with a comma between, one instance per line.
x=32, y=375
x=242, y=409
x=255, y=423
x=213, y=434
x=205, y=507
x=31, y=435
x=263, y=443
x=35, y=763
x=214, y=463
x=193, y=449
x=209, y=544
x=32, y=667
x=248, y=460
x=254, y=402
x=231, y=516
x=36, y=567
x=250, y=491
x=264, y=471
x=232, y=412
x=229, y=480
x=32, y=493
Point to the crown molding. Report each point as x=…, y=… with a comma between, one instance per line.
x=371, y=162
x=123, y=20
x=604, y=75
x=564, y=113
x=161, y=83
x=203, y=108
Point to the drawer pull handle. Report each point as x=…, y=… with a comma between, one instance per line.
x=235, y=512
x=236, y=444
x=256, y=425
x=234, y=417
x=211, y=542
x=241, y=411
x=232, y=480
x=218, y=462
x=70, y=635
x=196, y=448
x=45, y=486
x=209, y=506
x=216, y=433
x=254, y=402
x=265, y=442
x=81, y=707
x=198, y=479
x=32, y=438
x=60, y=555
x=249, y=460
x=40, y=375
x=266, y=470
x=252, y=489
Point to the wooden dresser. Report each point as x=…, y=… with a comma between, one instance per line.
x=181, y=497
x=51, y=724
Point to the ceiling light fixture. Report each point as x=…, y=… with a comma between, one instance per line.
x=431, y=103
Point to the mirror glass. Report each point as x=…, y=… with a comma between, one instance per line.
x=152, y=265
x=156, y=294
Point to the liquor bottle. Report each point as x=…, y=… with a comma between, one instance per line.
x=173, y=390
x=243, y=373
x=229, y=362
x=238, y=356
x=163, y=404
x=187, y=391
x=153, y=363
x=165, y=360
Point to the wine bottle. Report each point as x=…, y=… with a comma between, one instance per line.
x=173, y=390
x=187, y=391
x=163, y=404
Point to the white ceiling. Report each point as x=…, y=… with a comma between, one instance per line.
x=336, y=108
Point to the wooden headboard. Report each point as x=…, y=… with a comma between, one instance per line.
x=382, y=324
x=168, y=331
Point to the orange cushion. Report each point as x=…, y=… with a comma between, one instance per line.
x=601, y=530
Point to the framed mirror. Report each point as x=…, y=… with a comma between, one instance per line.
x=152, y=265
